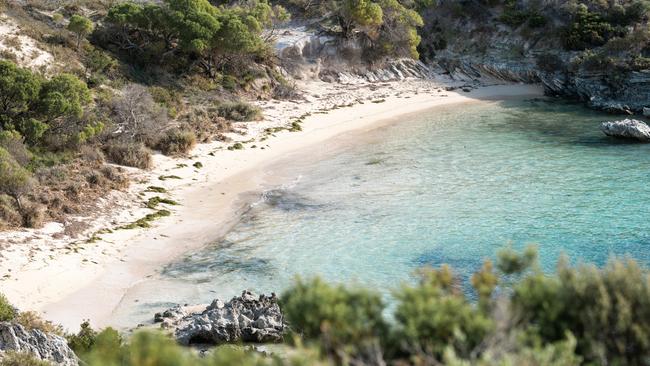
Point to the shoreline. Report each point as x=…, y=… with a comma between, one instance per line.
x=68, y=292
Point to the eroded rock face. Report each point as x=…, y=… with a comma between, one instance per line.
x=628, y=129
x=48, y=347
x=244, y=318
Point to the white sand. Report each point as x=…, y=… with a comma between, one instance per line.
x=27, y=51
x=69, y=280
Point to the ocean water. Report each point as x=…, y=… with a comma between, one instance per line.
x=447, y=186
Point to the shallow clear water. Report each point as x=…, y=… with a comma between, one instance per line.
x=448, y=186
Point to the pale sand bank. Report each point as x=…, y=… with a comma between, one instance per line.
x=88, y=281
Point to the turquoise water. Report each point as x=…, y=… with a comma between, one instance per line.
x=448, y=186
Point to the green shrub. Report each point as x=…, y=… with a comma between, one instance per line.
x=7, y=311
x=176, y=141
x=238, y=111
x=129, y=154
x=586, y=30
x=337, y=316
x=433, y=316
x=168, y=99
x=84, y=340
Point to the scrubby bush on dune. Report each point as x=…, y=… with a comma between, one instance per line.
x=176, y=141
x=129, y=154
x=238, y=111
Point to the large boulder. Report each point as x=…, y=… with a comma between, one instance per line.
x=245, y=318
x=47, y=347
x=628, y=129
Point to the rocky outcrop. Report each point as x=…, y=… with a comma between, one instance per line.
x=627, y=129
x=48, y=347
x=631, y=95
x=245, y=318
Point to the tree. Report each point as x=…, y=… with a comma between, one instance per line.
x=81, y=26
x=15, y=181
x=31, y=106
x=360, y=15
x=19, y=88
x=63, y=95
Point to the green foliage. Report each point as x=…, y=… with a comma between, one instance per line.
x=31, y=105
x=154, y=348
x=84, y=340
x=7, y=311
x=511, y=262
x=433, y=316
x=63, y=95
x=338, y=316
x=196, y=28
x=387, y=27
x=607, y=310
x=81, y=26
x=587, y=30
x=19, y=89
x=360, y=13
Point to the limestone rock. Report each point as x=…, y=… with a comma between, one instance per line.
x=628, y=129
x=48, y=347
x=245, y=318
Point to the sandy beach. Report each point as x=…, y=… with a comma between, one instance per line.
x=70, y=279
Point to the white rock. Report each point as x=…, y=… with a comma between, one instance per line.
x=628, y=129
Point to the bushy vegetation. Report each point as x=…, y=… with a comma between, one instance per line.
x=133, y=155
x=385, y=28
x=219, y=39
x=238, y=111
x=175, y=141
x=510, y=313
x=578, y=315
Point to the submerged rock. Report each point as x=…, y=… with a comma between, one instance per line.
x=628, y=129
x=47, y=347
x=245, y=318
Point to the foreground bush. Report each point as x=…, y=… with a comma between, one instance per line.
x=129, y=154
x=580, y=315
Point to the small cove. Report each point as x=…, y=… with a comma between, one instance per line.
x=451, y=185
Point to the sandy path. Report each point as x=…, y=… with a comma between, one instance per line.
x=89, y=283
